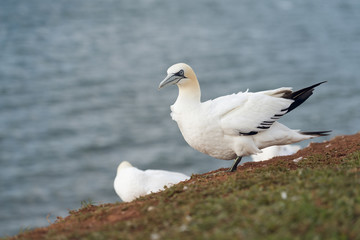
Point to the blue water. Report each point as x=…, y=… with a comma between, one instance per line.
x=78, y=86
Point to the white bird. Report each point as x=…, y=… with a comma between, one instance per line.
x=237, y=125
x=275, y=151
x=131, y=182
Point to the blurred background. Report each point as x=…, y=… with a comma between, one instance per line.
x=79, y=86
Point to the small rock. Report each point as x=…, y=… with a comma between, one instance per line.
x=154, y=236
x=183, y=228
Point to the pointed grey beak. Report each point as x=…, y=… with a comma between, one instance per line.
x=171, y=79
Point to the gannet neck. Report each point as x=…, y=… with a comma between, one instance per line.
x=189, y=92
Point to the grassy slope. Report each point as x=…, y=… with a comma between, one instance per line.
x=316, y=198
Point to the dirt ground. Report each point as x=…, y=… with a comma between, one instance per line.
x=93, y=217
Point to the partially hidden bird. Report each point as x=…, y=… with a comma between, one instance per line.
x=236, y=125
x=275, y=151
x=131, y=182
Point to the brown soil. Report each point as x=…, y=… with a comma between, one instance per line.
x=94, y=217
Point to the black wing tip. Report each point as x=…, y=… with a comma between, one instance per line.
x=301, y=96
x=317, y=84
x=307, y=89
x=317, y=133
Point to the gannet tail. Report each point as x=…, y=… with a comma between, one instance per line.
x=300, y=96
x=317, y=133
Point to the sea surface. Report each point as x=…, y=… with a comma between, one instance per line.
x=79, y=86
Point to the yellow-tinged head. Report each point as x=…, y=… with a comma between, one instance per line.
x=180, y=74
x=124, y=164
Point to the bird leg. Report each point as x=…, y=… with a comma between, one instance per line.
x=234, y=166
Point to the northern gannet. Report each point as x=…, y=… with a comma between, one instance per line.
x=237, y=125
x=131, y=182
x=274, y=151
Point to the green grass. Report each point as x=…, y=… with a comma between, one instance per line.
x=316, y=201
x=86, y=203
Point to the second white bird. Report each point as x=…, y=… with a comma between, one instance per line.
x=131, y=182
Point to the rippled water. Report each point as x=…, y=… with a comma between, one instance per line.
x=78, y=86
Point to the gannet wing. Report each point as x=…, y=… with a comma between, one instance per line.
x=279, y=92
x=250, y=113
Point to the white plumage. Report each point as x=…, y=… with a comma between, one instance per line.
x=235, y=125
x=274, y=151
x=131, y=183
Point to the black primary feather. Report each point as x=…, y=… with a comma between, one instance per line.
x=300, y=96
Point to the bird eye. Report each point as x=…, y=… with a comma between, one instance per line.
x=181, y=72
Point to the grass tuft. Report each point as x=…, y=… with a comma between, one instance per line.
x=86, y=203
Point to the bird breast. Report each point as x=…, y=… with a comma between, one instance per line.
x=202, y=131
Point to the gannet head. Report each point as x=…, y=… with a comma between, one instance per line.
x=124, y=164
x=179, y=74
